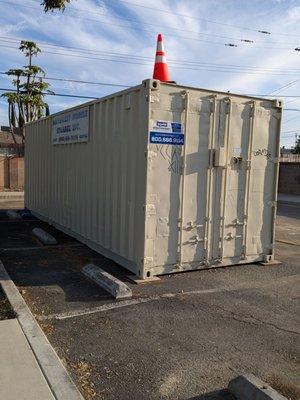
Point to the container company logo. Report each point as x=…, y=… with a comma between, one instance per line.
x=166, y=132
x=161, y=124
x=71, y=127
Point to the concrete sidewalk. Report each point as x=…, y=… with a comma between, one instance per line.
x=20, y=377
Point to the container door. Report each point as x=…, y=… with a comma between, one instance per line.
x=177, y=182
x=244, y=182
x=210, y=195
x=232, y=146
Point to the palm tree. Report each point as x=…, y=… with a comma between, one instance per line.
x=26, y=102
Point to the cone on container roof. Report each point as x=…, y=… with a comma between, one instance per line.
x=161, y=70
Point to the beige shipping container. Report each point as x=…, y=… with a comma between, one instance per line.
x=160, y=178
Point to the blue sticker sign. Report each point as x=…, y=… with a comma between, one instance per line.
x=166, y=132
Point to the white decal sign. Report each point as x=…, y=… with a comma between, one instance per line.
x=71, y=127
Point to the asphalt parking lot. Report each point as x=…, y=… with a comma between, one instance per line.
x=183, y=337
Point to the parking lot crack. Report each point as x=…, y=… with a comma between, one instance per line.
x=251, y=320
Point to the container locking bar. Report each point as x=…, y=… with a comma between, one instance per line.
x=185, y=95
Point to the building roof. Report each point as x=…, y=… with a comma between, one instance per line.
x=6, y=139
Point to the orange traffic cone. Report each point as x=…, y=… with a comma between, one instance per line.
x=161, y=70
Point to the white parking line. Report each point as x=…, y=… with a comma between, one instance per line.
x=127, y=303
x=104, y=307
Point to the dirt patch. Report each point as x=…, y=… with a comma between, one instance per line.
x=6, y=311
x=288, y=389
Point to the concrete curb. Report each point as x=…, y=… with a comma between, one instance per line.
x=249, y=387
x=108, y=282
x=55, y=373
x=44, y=236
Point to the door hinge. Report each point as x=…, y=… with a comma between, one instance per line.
x=248, y=164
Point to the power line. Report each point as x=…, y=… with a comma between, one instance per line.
x=151, y=32
x=56, y=94
x=206, y=20
x=174, y=66
x=288, y=136
x=142, y=58
x=84, y=10
x=267, y=95
x=285, y=122
x=136, y=22
x=256, y=30
x=292, y=131
x=77, y=81
x=285, y=86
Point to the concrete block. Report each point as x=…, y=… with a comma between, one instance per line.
x=43, y=236
x=249, y=387
x=114, y=286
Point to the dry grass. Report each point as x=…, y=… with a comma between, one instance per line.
x=47, y=328
x=83, y=371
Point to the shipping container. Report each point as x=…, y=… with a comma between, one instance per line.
x=160, y=178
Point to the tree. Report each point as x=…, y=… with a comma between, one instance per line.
x=26, y=102
x=296, y=149
x=51, y=5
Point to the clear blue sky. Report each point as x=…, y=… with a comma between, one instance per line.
x=110, y=31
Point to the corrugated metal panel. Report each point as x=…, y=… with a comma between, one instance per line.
x=158, y=208
x=94, y=190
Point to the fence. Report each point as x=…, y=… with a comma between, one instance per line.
x=11, y=173
x=289, y=177
x=290, y=158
